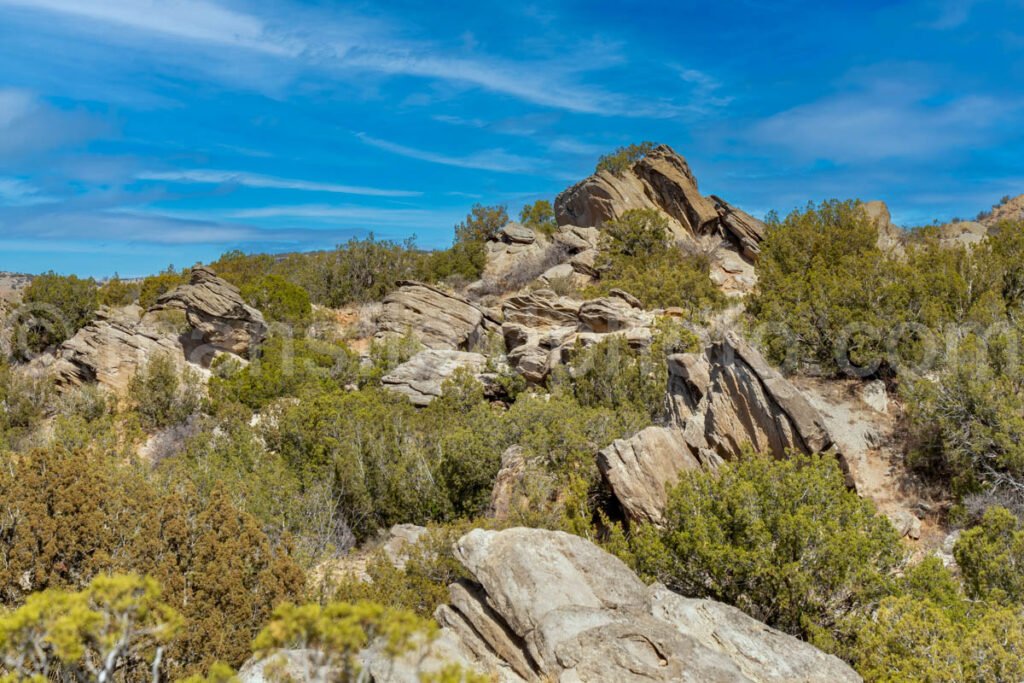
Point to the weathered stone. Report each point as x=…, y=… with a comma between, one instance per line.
x=111, y=350
x=422, y=376
x=747, y=231
x=732, y=396
x=506, y=494
x=640, y=469
x=612, y=314
x=540, y=309
x=216, y=310
x=562, y=609
x=438, y=319
x=516, y=233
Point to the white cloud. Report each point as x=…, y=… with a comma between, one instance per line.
x=487, y=160
x=185, y=19
x=211, y=177
x=14, y=105
x=17, y=192
x=884, y=119
x=349, y=213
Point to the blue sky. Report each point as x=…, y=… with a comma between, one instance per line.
x=138, y=133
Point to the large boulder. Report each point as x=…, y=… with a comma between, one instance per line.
x=662, y=181
x=552, y=606
x=111, y=349
x=438, y=319
x=422, y=377
x=216, y=311
x=727, y=397
x=640, y=469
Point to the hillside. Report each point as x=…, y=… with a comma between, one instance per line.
x=636, y=435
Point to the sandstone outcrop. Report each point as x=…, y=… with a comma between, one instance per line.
x=663, y=181
x=216, y=311
x=1011, y=209
x=422, y=377
x=547, y=605
x=720, y=400
x=111, y=349
x=541, y=328
x=438, y=319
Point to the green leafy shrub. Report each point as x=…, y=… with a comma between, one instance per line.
x=164, y=394
x=280, y=300
x=116, y=292
x=991, y=558
x=539, y=216
x=57, y=306
x=637, y=256
x=783, y=540
x=287, y=367
x=619, y=161
x=155, y=285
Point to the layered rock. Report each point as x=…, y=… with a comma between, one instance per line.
x=720, y=401
x=422, y=377
x=216, y=311
x=438, y=319
x=111, y=349
x=541, y=328
x=546, y=605
x=662, y=181
x=641, y=468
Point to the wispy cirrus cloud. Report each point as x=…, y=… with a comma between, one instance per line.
x=884, y=119
x=195, y=20
x=17, y=192
x=486, y=160
x=214, y=177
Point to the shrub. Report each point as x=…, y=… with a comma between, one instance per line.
x=539, y=216
x=280, y=300
x=619, y=161
x=116, y=292
x=783, y=540
x=56, y=306
x=637, y=257
x=164, y=394
x=117, y=626
x=991, y=558
x=482, y=223
x=156, y=285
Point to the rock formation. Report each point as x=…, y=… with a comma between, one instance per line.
x=546, y=605
x=720, y=400
x=663, y=181
x=1011, y=209
x=438, y=319
x=541, y=328
x=217, y=313
x=421, y=378
x=111, y=349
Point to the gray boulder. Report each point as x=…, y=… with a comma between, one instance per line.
x=421, y=377
x=438, y=319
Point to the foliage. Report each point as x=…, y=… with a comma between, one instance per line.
x=539, y=216
x=116, y=625
x=482, y=223
x=24, y=401
x=156, y=285
x=287, y=367
x=783, y=540
x=991, y=558
x=165, y=394
x=117, y=292
x=929, y=630
x=619, y=161
x=421, y=584
x=279, y=300
x=56, y=306
x=613, y=375
x=636, y=256
x=71, y=517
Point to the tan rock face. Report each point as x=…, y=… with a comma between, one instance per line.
x=545, y=605
x=1012, y=210
x=720, y=400
x=663, y=181
x=215, y=309
x=421, y=378
x=111, y=349
x=438, y=319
